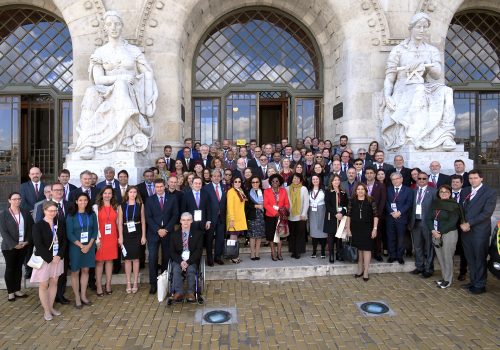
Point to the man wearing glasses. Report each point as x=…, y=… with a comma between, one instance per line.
x=362, y=156
x=423, y=196
x=360, y=174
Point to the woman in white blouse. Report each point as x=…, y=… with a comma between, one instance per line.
x=299, y=204
x=317, y=215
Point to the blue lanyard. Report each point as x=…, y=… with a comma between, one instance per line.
x=81, y=221
x=126, y=213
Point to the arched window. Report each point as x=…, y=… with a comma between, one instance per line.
x=472, y=54
x=246, y=53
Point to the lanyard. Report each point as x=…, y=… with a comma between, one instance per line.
x=54, y=233
x=18, y=221
x=437, y=214
x=81, y=221
x=126, y=213
x=313, y=195
x=108, y=213
x=396, y=196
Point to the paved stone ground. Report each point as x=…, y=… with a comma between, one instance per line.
x=313, y=313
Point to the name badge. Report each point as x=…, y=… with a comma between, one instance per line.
x=314, y=207
x=131, y=226
x=231, y=242
x=436, y=225
x=418, y=209
x=55, y=249
x=197, y=215
x=21, y=236
x=124, y=251
x=339, y=209
x=185, y=255
x=107, y=229
x=275, y=207
x=84, y=237
x=394, y=207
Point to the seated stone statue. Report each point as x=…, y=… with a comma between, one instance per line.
x=418, y=107
x=116, y=109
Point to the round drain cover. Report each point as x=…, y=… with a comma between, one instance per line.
x=217, y=316
x=374, y=307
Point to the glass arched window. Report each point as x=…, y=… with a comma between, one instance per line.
x=472, y=54
x=244, y=57
x=35, y=49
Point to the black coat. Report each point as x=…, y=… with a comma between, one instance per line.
x=330, y=223
x=42, y=239
x=195, y=244
x=10, y=231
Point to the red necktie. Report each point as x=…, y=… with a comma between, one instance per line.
x=161, y=203
x=36, y=189
x=217, y=192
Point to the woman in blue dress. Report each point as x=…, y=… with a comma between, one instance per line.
x=82, y=230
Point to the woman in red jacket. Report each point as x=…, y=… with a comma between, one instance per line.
x=276, y=204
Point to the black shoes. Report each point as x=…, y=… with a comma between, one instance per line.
x=444, y=284
x=391, y=260
x=401, y=261
x=416, y=272
x=218, y=261
x=378, y=258
x=461, y=277
x=62, y=300
x=466, y=286
x=153, y=289
x=331, y=259
x=358, y=275
x=476, y=290
x=426, y=274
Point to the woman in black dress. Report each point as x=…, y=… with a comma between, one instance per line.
x=362, y=223
x=336, y=207
x=131, y=233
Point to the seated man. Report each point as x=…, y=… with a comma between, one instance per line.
x=185, y=251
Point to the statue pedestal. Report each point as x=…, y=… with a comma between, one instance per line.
x=134, y=163
x=422, y=159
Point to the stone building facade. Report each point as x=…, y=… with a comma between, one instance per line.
x=329, y=91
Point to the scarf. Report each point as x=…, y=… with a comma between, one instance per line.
x=256, y=198
x=240, y=194
x=295, y=199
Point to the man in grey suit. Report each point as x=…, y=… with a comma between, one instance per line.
x=478, y=209
x=423, y=196
x=349, y=186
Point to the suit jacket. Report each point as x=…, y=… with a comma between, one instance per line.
x=157, y=218
x=195, y=245
x=330, y=222
x=466, y=180
x=406, y=173
x=189, y=205
x=194, y=154
x=217, y=208
x=116, y=189
x=170, y=164
x=143, y=191
x=343, y=176
x=379, y=194
x=237, y=173
x=206, y=163
x=28, y=195
x=260, y=172
x=185, y=167
x=428, y=196
x=93, y=194
x=230, y=165
x=42, y=239
x=442, y=179
x=478, y=211
x=252, y=163
x=10, y=231
x=347, y=189
x=71, y=187
x=404, y=203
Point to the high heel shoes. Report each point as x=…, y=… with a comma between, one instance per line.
x=358, y=275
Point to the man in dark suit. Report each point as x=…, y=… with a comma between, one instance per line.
x=400, y=168
x=379, y=194
x=379, y=164
x=216, y=193
x=436, y=177
x=345, y=161
x=337, y=170
x=398, y=206
x=123, y=182
x=197, y=204
x=147, y=188
x=230, y=162
x=362, y=155
x=185, y=250
x=262, y=170
x=459, y=166
x=109, y=180
x=254, y=163
x=32, y=191
x=423, y=196
x=459, y=193
x=358, y=167
x=85, y=180
x=169, y=161
x=162, y=212
x=205, y=157
x=63, y=178
x=193, y=154
x=187, y=161
x=240, y=169
x=350, y=184
x=479, y=206
x=62, y=212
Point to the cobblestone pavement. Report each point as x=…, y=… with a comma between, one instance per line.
x=314, y=313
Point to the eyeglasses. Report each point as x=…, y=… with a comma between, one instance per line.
x=361, y=153
x=445, y=192
x=263, y=160
x=422, y=178
x=255, y=182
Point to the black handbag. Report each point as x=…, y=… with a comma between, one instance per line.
x=231, y=249
x=348, y=252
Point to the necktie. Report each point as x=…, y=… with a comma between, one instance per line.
x=343, y=168
x=419, y=198
x=217, y=192
x=198, y=199
x=185, y=241
x=187, y=163
x=455, y=196
x=60, y=210
x=64, y=193
x=397, y=190
x=168, y=163
x=434, y=179
x=161, y=203
x=88, y=192
x=36, y=189
x=380, y=166
x=150, y=191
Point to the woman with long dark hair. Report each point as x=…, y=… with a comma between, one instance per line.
x=336, y=202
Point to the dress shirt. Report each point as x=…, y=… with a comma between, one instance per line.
x=474, y=191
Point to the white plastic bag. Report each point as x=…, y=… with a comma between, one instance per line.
x=162, y=286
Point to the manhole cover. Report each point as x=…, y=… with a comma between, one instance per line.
x=217, y=316
x=374, y=308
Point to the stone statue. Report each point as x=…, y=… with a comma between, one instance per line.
x=417, y=107
x=116, y=109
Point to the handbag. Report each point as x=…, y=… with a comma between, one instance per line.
x=282, y=230
x=348, y=252
x=36, y=261
x=231, y=248
x=342, y=229
x=162, y=286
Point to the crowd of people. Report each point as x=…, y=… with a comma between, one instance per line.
x=267, y=194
